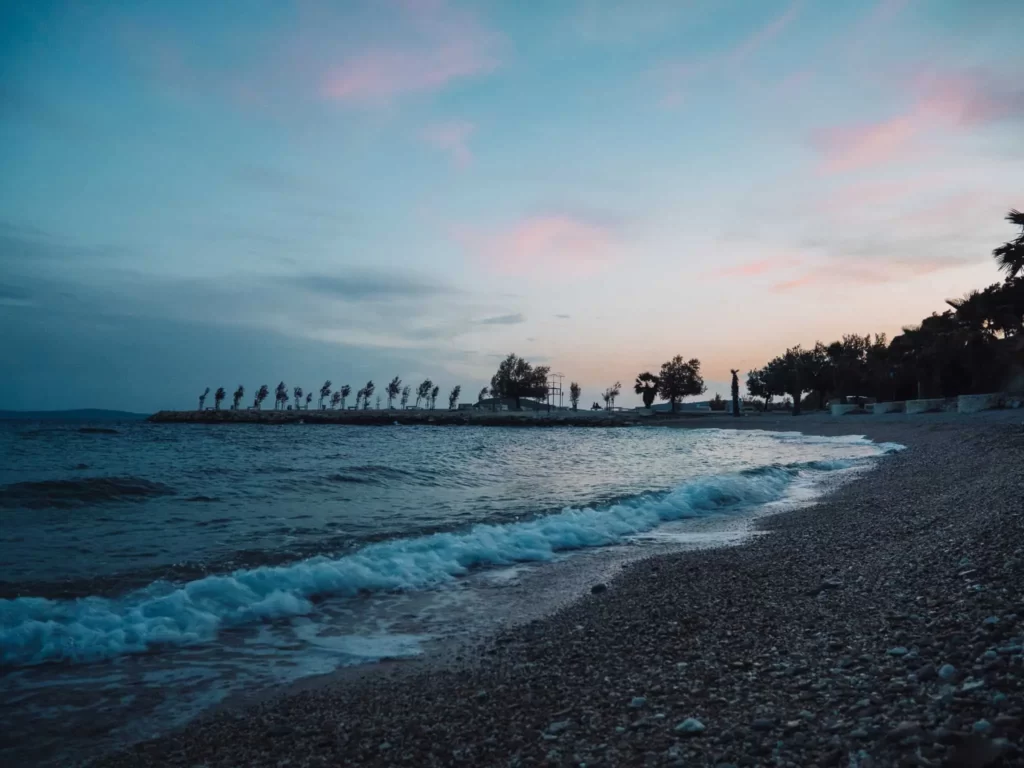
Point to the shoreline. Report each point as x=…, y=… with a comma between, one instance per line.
x=760, y=629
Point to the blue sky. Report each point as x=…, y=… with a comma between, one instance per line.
x=211, y=194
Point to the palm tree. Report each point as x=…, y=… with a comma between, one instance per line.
x=483, y=393
x=453, y=397
x=359, y=398
x=367, y=394
x=309, y=399
x=335, y=399
x=433, y=396
x=574, y=395
x=394, y=389
x=423, y=391
x=646, y=385
x=1010, y=256
x=325, y=392
x=202, y=398
x=280, y=395
x=218, y=397
x=297, y=393
x=261, y=394
x=236, y=398
x=614, y=391
x=406, y=391
x=346, y=390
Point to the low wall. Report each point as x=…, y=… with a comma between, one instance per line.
x=925, y=406
x=841, y=409
x=896, y=407
x=975, y=403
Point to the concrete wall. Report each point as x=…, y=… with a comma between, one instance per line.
x=896, y=407
x=925, y=406
x=975, y=403
x=840, y=409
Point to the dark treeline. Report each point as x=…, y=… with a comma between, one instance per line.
x=974, y=347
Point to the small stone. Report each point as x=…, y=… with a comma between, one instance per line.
x=990, y=655
x=598, y=589
x=903, y=730
x=982, y=726
x=637, y=702
x=559, y=726
x=858, y=733
x=926, y=673
x=384, y=746
x=898, y=650
x=972, y=685
x=947, y=672
x=763, y=724
x=991, y=621
x=691, y=726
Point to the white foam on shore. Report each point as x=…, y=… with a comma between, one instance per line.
x=37, y=630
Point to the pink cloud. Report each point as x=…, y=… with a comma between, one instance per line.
x=553, y=243
x=868, y=272
x=755, y=268
x=941, y=103
x=452, y=137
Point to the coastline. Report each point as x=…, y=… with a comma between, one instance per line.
x=785, y=647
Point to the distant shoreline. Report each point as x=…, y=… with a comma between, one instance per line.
x=483, y=418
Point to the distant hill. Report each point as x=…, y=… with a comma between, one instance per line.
x=82, y=414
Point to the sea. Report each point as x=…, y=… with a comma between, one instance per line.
x=150, y=573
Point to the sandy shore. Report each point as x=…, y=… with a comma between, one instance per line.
x=880, y=627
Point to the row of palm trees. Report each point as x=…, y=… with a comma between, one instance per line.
x=975, y=347
x=427, y=393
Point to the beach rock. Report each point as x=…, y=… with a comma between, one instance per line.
x=898, y=650
x=691, y=726
x=598, y=589
x=637, y=702
x=762, y=724
x=559, y=726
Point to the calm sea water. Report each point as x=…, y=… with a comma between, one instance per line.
x=150, y=572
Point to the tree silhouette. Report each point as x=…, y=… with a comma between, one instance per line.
x=453, y=397
x=679, y=379
x=367, y=394
x=406, y=391
x=735, y=392
x=309, y=399
x=394, y=389
x=646, y=386
x=218, y=398
x=516, y=378
x=359, y=397
x=1010, y=256
x=345, y=390
x=433, y=396
x=574, y=395
x=261, y=394
x=423, y=391
x=607, y=397
x=202, y=398
x=482, y=394
x=335, y=399
x=325, y=392
x=280, y=395
x=236, y=398
x=614, y=391
x=297, y=394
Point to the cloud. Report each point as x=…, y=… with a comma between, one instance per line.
x=504, y=320
x=754, y=268
x=550, y=243
x=442, y=46
x=739, y=55
x=940, y=103
x=452, y=136
x=370, y=286
x=868, y=273
x=563, y=317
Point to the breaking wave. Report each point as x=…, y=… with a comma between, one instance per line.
x=35, y=630
x=64, y=494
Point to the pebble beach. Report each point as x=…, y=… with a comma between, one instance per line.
x=882, y=626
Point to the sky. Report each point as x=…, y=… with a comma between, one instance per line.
x=211, y=194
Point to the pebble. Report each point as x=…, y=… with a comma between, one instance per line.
x=637, y=702
x=691, y=726
x=899, y=650
x=947, y=672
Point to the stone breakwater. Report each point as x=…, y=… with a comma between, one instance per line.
x=432, y=418
x=881, y=627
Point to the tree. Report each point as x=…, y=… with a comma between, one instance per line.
x=1010, y=256
x=378, y=402
x=202, y=398
x=735, y=392
x=646, y=385
x=309, y=399
x=261, y=394
x=433, y=396
x=483, y=393
x=367, y=394
x=297, y=394
x=393, y=390
x=236, y=398
x=280, y=395
x=346, y=390
x=453, y=397
x=359, y=397
x=423, y=391
x=336, y=399
x=717, y=403
x=516, y=379
x=406, y=391
x=607, y=397
x=574, y=395
x=325, y=392
x=613, y=392
x=756, y=386
x=680, y=379
x=218, y=397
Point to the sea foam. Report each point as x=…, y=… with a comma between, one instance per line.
x=37, y=630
